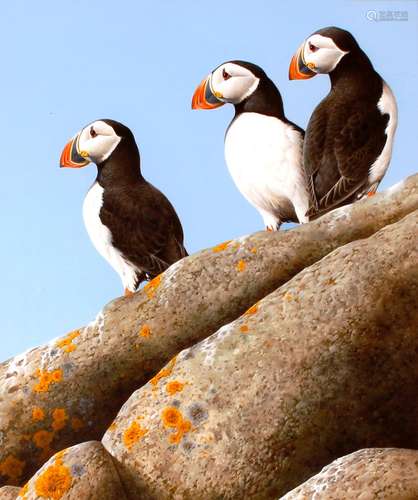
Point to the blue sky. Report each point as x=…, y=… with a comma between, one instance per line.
x=66, y=63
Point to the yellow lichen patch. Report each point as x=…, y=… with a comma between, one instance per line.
x=173, y=419
x=241, y=266
x=23, y=491
x=133, y=434
x=288, y=297
x=77, y=423
x=244, y=329
x=112, y=427
x=152, y=286
x=330, y=281
x=43, y=439
x=221, y=246
x=54, y=481
x=46, y=378
x=37, y=414
x=174, y=387
x=252, y=310
x=12, y=467
x=60, y=417
x=145, y=331
x=253, y=250
x=66, y=344
x=165, y=372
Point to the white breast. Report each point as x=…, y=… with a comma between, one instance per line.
x=386, y=105
x=264, y=157
x=102, y=238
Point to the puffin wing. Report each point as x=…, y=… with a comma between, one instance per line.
x=356, y=147
x=145, y=228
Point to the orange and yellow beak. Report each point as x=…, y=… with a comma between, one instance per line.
x=299, y=69
x=204, y=98
x=71, y=157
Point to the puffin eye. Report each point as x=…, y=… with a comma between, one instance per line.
x=312, y=47
x=93, y=133
x=225, y=75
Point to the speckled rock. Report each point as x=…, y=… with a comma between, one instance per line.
x=69, y=390
x=9, y=492
x=82, y=472
x=325, y=365
x=371, y=474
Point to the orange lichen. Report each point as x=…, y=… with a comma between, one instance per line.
x=43, y=439
x=37, y=413
x=252, y=310
x=173, y=419
x=182, y=429
x=244, y=329
x=23, y=491
x=12, y=467
x=174, y=386
x=66, y=344
x=288, y=297
x=241, y=266
x=77, y=423
x=145, y=331
x=165, y=372
x=46, y=378
x=54, y=481
x=221, y=246
x=60, y=417
x=133, y=434
x=152, y=286
x=253, y=250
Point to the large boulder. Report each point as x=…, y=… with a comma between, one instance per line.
x=371, y=474
x=325, y=365
x=82, y=472
x=69, y=390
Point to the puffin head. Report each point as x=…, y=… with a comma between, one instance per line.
x=232, y=81
x=321, y=52
x=94, y=143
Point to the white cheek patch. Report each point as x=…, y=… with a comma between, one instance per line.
x=326, y=58
x=241, y=84
x=100, y=147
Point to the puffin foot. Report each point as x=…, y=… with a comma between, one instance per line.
x=372, y=191
x=128, y=293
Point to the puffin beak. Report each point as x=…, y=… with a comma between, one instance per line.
x=298, y=69
x=71, y=157
x=204, y=98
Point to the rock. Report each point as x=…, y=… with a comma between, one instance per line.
x=83, y=472
x=69, y=390
x=325, y=365
x=389, y=474
x=9, y=492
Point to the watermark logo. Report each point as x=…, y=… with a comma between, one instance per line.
x=387, y=15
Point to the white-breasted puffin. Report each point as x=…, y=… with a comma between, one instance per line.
x=263, y=149
x=349, y=138
x=130, y=222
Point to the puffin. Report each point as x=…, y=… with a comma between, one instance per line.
x=349, y=138
x=263, y=149
x=129, y=221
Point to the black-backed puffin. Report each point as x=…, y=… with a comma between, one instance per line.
x=263, y=149
x=130, y=222
x=349, y=138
